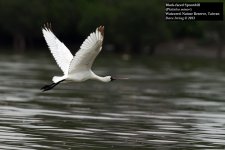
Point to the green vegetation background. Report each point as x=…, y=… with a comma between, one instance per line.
x=131, y=26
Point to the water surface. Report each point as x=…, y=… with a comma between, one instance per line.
x=161, y=107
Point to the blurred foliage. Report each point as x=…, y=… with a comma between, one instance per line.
x=130, y=25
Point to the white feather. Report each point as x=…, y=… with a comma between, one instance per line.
x=77, y=68
x=56, y=79
x=60, y=52
x=87, y=53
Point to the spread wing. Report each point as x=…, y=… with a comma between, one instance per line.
x=59, y=51
x=88, y=51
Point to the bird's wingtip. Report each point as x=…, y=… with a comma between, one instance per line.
x=47, y=26
x=101, y=30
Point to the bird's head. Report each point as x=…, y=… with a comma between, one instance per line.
x=110, y=78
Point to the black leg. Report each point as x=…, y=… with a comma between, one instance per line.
x=50, y=86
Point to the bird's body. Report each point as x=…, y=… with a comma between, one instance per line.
x=75, y=68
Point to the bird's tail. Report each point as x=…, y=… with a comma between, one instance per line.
x=50, y=86
x=56, y=79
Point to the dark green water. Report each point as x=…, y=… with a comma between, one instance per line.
x=167, y=105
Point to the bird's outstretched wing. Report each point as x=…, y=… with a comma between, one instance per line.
x=88, y=51
x=60, y=52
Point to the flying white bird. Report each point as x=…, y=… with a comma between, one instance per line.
x=75, y=68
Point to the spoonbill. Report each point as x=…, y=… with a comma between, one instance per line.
x=75, y=68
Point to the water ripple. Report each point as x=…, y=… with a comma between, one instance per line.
x=158, y=108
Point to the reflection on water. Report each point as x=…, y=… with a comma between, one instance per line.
x=156, y=109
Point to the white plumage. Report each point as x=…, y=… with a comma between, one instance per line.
x=77, y=68
x=60, y=52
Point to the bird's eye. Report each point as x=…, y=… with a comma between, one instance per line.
x=112, y=79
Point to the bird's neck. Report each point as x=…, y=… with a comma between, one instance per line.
x=102, y=79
